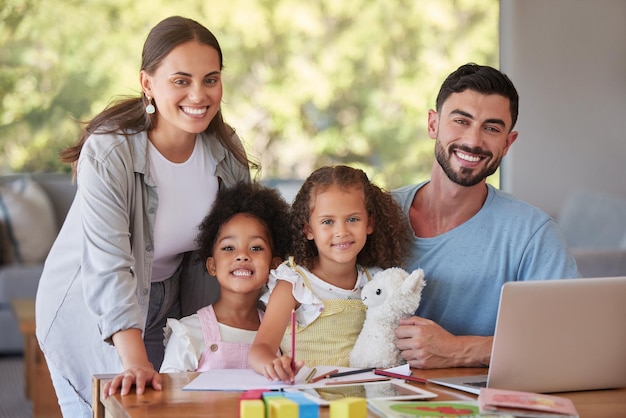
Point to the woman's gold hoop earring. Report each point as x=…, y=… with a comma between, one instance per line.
x=150, y=109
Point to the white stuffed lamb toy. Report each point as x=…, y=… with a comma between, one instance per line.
x=392, y=294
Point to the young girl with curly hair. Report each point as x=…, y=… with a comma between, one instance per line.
x=345, y=229
x=241, y=239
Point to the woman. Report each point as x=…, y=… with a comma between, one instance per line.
x=148, y=170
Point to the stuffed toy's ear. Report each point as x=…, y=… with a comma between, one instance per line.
x=413, y=282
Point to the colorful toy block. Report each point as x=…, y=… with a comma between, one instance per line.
x=306, y=407
x=348, y=408
x=253, y=394
x=281, y=407
x=251, y=408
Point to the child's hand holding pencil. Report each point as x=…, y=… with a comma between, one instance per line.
x=285, y=367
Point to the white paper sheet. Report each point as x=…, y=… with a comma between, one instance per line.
x=248, y=379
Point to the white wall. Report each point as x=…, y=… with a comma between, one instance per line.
x=567, y=59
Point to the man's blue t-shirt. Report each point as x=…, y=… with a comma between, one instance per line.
x=465, y=268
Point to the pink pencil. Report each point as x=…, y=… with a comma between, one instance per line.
x=293, y=340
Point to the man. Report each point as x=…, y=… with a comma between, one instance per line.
x=471, y=238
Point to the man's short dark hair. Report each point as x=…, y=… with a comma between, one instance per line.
x=482, y=79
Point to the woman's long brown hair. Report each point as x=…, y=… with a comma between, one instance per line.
x=128, y=116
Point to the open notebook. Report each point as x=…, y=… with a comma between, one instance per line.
x=556, y=336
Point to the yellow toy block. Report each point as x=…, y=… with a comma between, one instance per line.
x=279, y=407
x=251, y=408
x=348, y=408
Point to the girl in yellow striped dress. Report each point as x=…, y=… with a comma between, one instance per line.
x=345, y=229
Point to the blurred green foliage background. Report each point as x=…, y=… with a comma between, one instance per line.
x=306, y=82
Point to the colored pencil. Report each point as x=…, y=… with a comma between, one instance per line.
x=350, y=372
x=323, y=376
x=400, y=376
x=310, y=376
x=293, y=340
x=352, y=382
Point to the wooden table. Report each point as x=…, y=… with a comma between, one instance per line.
x=38, y=385
x=173, y=402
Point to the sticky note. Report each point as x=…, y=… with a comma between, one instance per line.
x=348, y=408
x=251, y=408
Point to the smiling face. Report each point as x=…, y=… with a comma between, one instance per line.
x=339, y=224
x=472, y=133
x=242, y=255
x=186, y=88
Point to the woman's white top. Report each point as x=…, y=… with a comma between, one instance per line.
x=176, y=225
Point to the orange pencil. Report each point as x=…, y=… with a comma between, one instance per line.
x=353, y=382
x=400, y=376
x=323, y=376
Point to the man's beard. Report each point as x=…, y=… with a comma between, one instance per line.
x=466, y=177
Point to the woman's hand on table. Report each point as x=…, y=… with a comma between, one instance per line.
x=140, y=377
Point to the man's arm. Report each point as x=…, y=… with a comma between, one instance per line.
x=426, y=345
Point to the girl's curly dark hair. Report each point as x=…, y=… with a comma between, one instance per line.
x=254, y=199
x=389, y=244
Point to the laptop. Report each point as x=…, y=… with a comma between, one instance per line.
x=556, y=336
